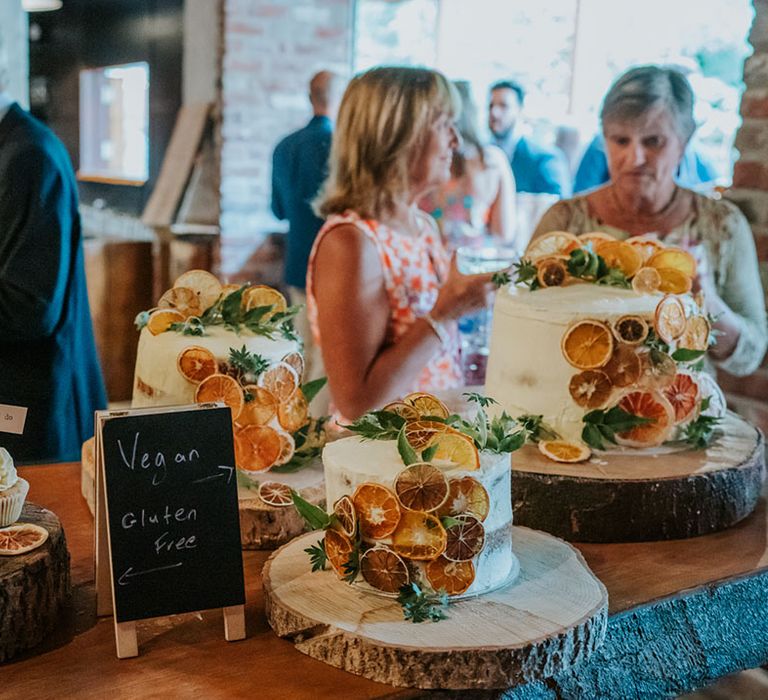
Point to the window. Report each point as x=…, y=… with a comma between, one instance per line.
x=114, y=116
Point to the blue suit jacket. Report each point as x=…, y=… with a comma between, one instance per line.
x=48, y=360
x=299, y=167
x=540, y=170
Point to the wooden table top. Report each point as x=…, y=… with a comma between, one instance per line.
x=187, y=655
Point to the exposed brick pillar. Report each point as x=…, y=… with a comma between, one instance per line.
x=750, y=173
x=270, y=48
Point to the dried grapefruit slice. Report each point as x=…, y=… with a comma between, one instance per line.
x=294, y=412
x=223, y=388
x=467, y=495
x=421, y=486
x=257, y=447
x=670, y=320
x=403, y=410
x=338, y=549
x=20, y=538
x=418, y=433
x=675, y=258
x=427, y=405
x=564, y=451
x=630, y=329
x=161, y=320
x=295, y=360
x=551, y=272
x=673, y=281
x=203, y=283
x=590, y=388
x=551, y=244
x=646, y=404
x=683, y=394
x=346, y=515
x=625, y=367
x=647, y=280
x=261, y=295
x=195, y=364
x=696, y=334
x=280, y=379
x=456, y=449
x=621, y=255
x=377, y=510
x=464, y=538
x=384, y=569
x=587, y=344
x=450, y=577
x=183, y=299
x=259, y=408
x=419, y=536
x=275, y=494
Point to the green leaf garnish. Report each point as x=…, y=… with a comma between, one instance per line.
x=249, y=363
x=315, y=517
x=191, y=326
x=526, y=273
x=501, y=279
x=378, y=425
x=687, y=355
x=407, y=453
x=535, y=428
x=483, y=401
x=428, y=453
x=601, y=425
x=317, y=555
x=312, y=389
x=700, y=432
x=420, y=606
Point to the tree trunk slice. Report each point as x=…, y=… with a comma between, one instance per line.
x=551, y=617
x=33, y=586
x=266, y=527
x=261, y=526
x=633, y=495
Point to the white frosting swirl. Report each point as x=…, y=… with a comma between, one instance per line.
x=8, y=475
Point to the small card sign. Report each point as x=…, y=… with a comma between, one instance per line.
x=170, y=491
x=12, y=419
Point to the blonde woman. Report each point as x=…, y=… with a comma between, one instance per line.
x=382, y=294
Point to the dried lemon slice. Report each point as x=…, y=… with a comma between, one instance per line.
x=622, y=256
x=419, y=536
x=676, y=258
x=203, y=283
x=262, y=295
x=183, y=299
x=455, y=448
x=647, y=280
x=564, y=451
x=670, y=320
x=20, y=538
x=551, y=244
x=275, y=494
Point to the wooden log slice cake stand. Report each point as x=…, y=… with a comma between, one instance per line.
x=551, y=617
x=33, y=586
x=261, y=526
x=644, y=495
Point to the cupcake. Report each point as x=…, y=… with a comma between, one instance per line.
x=13, y=490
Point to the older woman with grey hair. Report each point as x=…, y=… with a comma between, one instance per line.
x=647, y=120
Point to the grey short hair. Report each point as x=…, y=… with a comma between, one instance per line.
x=639, y=89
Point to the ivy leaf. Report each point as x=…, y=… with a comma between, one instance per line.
x=312, y=389
x=407, y=453
x=428, y=453
x=687, y=355
x=315, y=517
x=420, y=606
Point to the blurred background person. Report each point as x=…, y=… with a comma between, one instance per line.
x=647, y=121
x=383, y=296
x=479, y=198
x=48, y=360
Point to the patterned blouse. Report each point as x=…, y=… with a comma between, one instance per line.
x=723, y=235
x=413, y=270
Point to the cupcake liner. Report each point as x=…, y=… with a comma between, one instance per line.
x=12, y=501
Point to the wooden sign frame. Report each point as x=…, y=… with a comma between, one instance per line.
x=126, y=641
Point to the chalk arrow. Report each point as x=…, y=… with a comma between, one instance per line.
x=130, y=573
x=217, y=476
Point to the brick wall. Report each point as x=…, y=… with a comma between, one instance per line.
x=750, y=174
x=270, y=50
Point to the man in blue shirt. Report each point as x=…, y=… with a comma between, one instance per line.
x=536, y=168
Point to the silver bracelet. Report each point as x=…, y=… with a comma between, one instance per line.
x=439, y=328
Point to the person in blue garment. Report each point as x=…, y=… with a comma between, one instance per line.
x=694, y=172
x=536, y=168
x=48, y=360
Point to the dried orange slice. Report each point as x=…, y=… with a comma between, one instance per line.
x=587, y=344
x=630, y=329
x=259, y=408
x=295, y=360
x=421, y=486
x=223, y=388
x=696, y=334
x=257, y=447
x=419, y=536
x=591, y=388
x=647, y=280
x=658, y=369
x=676, y=258
x=625, y=367
x=645, y=245
x=287, y=448
x=377, y=510
x=620, y=255
x=203, y=283
x=670, y=320
x=466, y=495
x=427, y=405
x=161, y=320
x=20, y=538
x=418, y=433
x=551, y=272
x=595, y=238
x=338, y=549
x=183, y=299
x=275, y=494
x=261, y=295
x=346, y=515
x=450, y=577
x=281, y=379
x=456, y=449
x=464, y=539
x=564, y=451
x=551, y=244
x=403, y=410
x=384, y=569
x=683, y=394
x=646, y=404
x=673, y=281
x=293, y=413
x=196, y=363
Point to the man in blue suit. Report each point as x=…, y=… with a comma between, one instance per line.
x=48, y=360
x=536, y=168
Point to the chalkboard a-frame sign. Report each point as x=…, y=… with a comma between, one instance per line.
x=168, y=529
